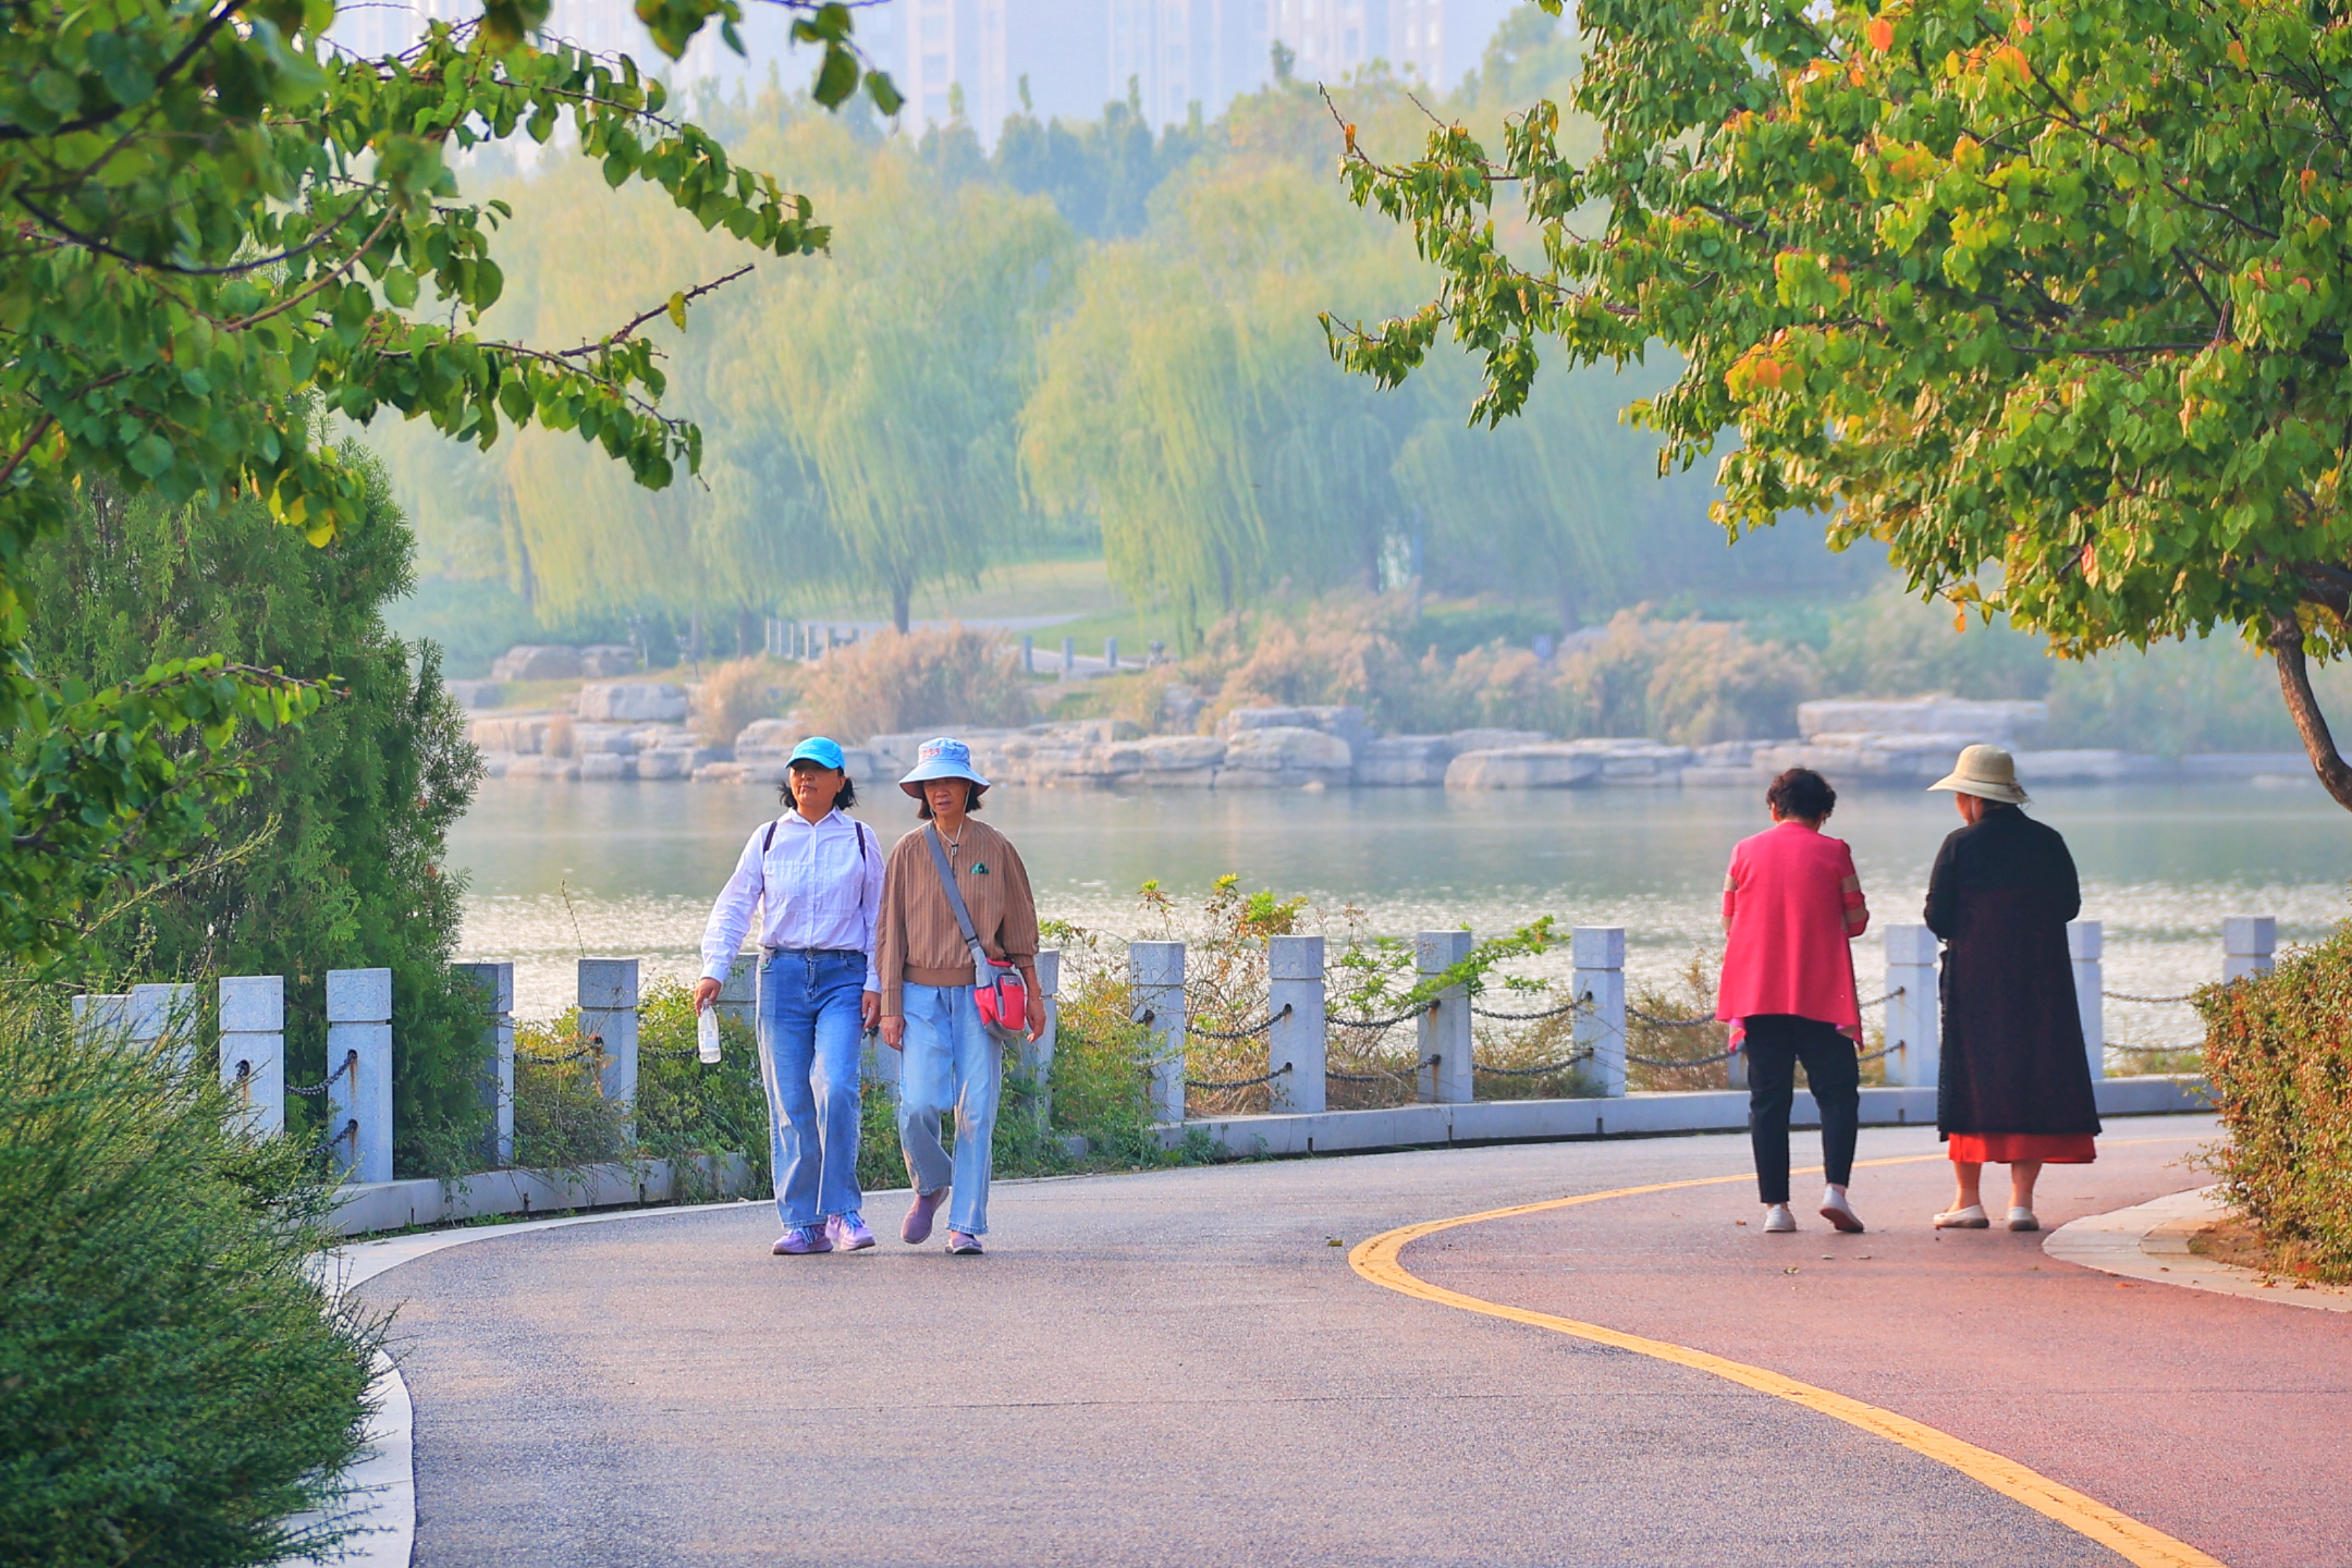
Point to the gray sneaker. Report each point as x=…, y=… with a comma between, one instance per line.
x=1779, y=1221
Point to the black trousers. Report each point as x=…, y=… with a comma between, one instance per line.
x=1776, y=1043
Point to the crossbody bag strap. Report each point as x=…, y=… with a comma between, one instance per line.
x=980, y=958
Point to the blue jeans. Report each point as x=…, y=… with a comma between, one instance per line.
x=951, y=1064
x=809, y=1034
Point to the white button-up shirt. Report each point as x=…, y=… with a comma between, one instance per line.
x=815, y=884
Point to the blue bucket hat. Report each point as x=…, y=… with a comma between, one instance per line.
x=944, y=758
x=816, y=748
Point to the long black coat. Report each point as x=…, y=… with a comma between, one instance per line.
x=2001, y=893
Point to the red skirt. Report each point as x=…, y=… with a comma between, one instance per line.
x=2008, y=1148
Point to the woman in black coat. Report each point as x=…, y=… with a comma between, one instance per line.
x=2015, y=1086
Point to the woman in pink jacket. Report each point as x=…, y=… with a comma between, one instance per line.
x=1791, y=906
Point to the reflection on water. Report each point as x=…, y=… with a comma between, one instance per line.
x=625, y=869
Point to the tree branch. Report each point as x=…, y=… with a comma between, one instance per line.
x=2302, y=706
x=639, y=319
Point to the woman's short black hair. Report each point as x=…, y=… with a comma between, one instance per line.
x=1801, y=793
x=971, y=802
x=842, y=802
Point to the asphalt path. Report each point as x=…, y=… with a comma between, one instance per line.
x=1182, y=1367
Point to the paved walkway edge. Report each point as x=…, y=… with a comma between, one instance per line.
x=1647, y=1114
x=379, y=1509
x=2150, y=1242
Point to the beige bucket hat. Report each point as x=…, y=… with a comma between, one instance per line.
x=1986, y=772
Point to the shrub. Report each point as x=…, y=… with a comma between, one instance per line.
x=911, y=680
x=685, y=1108
x=2278, y=1055
x=174, y=1384
x=739, y=691
x=1688, y=681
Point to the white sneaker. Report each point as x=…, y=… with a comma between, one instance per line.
x=2023, y=1219
x=1970, y=1218
x=1779, y=1221
x=1840, y=1213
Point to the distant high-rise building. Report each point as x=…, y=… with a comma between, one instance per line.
x=1069, y=56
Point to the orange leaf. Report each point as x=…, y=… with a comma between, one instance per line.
x=1882, y=34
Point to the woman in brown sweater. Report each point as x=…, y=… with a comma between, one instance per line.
x=931, y=1011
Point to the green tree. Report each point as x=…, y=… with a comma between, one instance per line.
x=215, y=225
x=2050, y=299
x=334, y=856
x=899, y=372
x=1183, y=403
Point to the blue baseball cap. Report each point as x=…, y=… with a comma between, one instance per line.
x=816, y=748
x=944, y=758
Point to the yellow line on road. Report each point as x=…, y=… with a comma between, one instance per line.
x=1378, y=1260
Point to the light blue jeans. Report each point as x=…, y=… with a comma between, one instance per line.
x=809, y=1034
x=952, y=1063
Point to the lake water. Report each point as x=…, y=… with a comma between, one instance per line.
x=630, y=868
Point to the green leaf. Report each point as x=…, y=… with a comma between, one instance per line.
x=836, y=79
x=152, y=456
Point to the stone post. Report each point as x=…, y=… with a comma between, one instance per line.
x=497, y=1079
x=608, y=1016
x=164, y=1018
x=1599, y=954
x=739, y=997
x=1028, y=655
x=2248, y=943
x=1156, y=972
x=1294, y=966
x=1443, y=1032
x=2085, y=943
x=359, y=1072
x=102, y=1013
x=1069, y=657
x=253, y=1048
x=1913, y=1015
x=1110, y=656
x=1037, y=1056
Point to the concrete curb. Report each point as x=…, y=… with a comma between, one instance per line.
x=364, y=1206
x=2150, y=1242
x=1648, y=1114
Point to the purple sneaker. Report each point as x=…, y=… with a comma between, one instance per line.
x=963, y=1244
x=801, y=1240
x=917, y=1228
x=847, y=1232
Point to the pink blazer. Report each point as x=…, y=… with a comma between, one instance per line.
x=1791, y=904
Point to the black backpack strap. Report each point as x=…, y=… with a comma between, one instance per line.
x=769, y=841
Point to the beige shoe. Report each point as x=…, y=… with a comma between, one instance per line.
x=1970, y=1218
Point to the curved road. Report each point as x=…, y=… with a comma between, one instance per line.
x=1183, y=1368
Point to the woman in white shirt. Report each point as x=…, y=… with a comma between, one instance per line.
x=814, y=876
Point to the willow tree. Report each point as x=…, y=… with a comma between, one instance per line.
x=215, y=229
x=1183, y=405
x=2052, y=299
x=899, y=368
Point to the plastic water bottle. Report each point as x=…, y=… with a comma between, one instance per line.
x=706, y=1034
